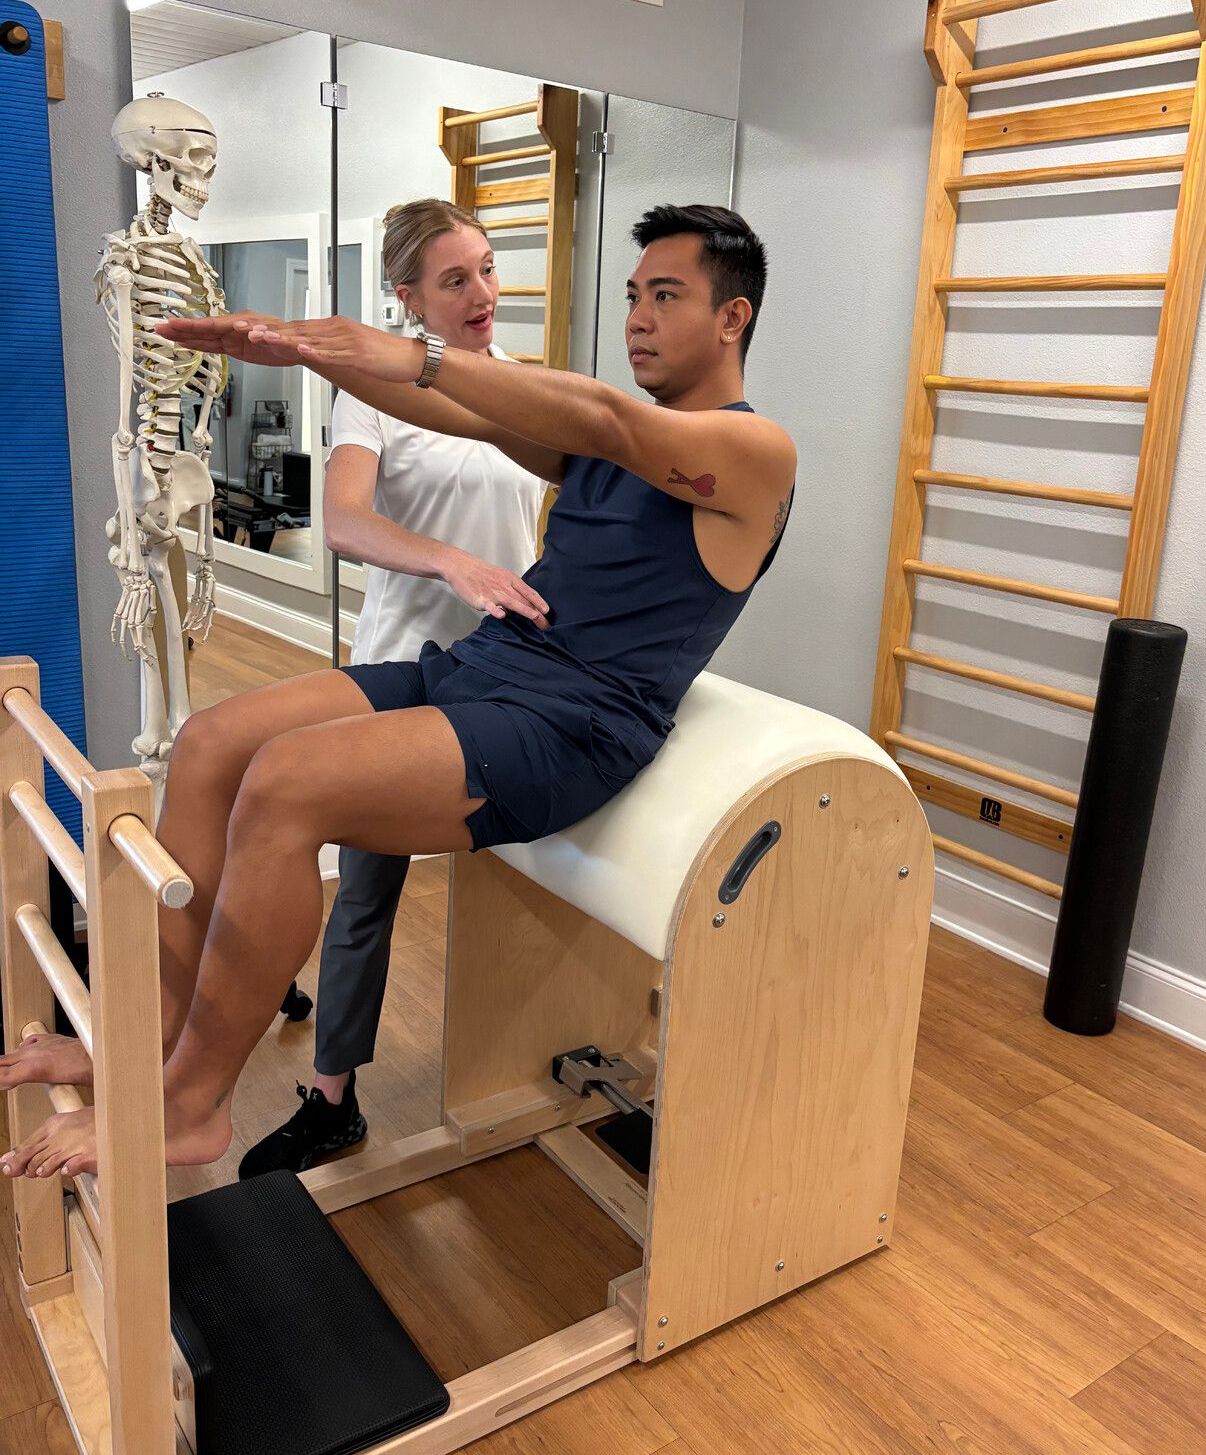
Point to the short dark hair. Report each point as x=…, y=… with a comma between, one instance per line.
x=732, y=253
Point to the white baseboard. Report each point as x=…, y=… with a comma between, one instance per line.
x=1160, y=995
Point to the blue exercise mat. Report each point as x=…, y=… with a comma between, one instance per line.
x=39, y=609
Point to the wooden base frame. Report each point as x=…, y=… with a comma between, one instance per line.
x=775, y=1041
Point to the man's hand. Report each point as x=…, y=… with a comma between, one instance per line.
x=230, y=334
x=492, y=589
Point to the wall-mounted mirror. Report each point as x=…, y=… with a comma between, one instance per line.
x=412, y=126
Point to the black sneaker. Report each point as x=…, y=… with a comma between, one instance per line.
x=314, y=1129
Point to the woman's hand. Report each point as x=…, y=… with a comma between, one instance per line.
x=492, y=589
x=342, y=342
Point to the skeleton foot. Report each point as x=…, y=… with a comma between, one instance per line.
x=200, y=614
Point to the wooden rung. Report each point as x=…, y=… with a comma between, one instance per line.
x=998, y=866
x=1102, y=55
x=1059, y=695
x=528, y=358
x=973, y=803
x=55, y=746
x=983, y=769
x=513, y=154
x=522, y=292
x=1058, y=283
x=471, y=118
x=1014, y=588
x=60, y=973
x=1039, y=389
x=1113, y=116
x=1077, y=172
x=53, y=837
x=987, y=483
x=973, y=9
x=152, y=863
x=503, y=224
x=502, y=194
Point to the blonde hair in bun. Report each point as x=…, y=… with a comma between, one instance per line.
x=409, y=227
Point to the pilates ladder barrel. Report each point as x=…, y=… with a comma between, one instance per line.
x=99, y=1278
x=950, y=49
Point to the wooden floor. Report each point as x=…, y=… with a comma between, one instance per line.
x=1045, y=1291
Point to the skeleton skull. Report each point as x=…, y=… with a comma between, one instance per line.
x=174, y=144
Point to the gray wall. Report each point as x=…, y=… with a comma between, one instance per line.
x=683, y=54
x=833, y=155
x=93, y=194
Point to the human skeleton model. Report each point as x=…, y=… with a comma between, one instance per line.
x=149, y=273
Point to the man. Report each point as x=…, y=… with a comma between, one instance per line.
x=668, y=515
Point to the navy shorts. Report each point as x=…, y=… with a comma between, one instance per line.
x=540, y=762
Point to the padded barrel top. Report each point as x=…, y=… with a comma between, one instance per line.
x=625, y=865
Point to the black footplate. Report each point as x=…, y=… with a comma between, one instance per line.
x=292, y=1349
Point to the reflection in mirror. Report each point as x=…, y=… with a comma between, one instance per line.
x=264, y=228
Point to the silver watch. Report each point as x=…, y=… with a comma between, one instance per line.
x=435, y=357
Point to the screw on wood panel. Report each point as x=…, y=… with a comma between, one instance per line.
x=880, y=1238
x=489, y=1131
x=717, y=921
x=556, y=1106
x=662, y=1345
x=779, y=1267
x=903, y=872
x=824, y=801
x=883, y=1217
x=662, y=1322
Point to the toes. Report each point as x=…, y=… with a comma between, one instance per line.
x=82, y=1162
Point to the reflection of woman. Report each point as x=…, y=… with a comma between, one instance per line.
x=444, y=526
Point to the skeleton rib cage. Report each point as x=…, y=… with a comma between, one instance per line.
x=171, y=279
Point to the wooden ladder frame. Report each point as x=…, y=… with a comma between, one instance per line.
x=950, y=49
x=459, y=137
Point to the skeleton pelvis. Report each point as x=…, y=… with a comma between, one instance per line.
x=185, y=484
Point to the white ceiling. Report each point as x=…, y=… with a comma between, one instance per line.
x=167, y=35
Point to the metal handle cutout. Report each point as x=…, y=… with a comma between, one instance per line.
x=745, y=863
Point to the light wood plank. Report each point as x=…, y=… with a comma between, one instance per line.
x=1101, y=55
x=925, y=357
x=1092, y=1132
x=1170, y=373
x=760, y=1183
x=1076, y=172
x=995, y=486
x=56, y=78
x=1144, y=1249
x=123, y=956
x=603, y=1180
x=997, y=866
x=992, y=678
x=26, y=995
x=985, y=770
x=1066, y=1329
x=1080, y=120
x=988, y=1161
x=975, y=804
x=1156, y=1398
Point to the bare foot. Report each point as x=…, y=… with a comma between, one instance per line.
x=67, y=1143
x=56, y=1060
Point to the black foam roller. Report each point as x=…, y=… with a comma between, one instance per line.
x=1134, y=710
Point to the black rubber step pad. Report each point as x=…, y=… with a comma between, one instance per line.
x=293, y=1351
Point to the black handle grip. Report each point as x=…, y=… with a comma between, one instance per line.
x=744, y=864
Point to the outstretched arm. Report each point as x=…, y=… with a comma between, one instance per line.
x=228, y=334
x=735, y=463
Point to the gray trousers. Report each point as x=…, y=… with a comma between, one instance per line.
x=355, y=959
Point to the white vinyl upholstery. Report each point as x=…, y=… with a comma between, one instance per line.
x=626, y=864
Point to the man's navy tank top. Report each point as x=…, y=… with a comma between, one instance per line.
x=635, y=614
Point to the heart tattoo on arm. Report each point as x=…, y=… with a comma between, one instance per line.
x=702, y=484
